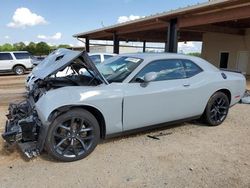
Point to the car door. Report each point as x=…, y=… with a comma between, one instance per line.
x=6, y=61
x=165, y=99
x=23, y=58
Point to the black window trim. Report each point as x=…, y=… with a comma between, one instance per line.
x=16, y=53
x=133, y=79
x=10, y=55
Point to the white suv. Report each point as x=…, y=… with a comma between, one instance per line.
x=18, y=62
x=100, y=57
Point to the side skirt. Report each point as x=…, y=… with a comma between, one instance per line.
x=151, y=127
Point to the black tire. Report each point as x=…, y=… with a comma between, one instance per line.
x=67, y=141
x=217, y=109
x=19, y=70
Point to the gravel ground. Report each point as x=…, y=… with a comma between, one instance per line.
x=186, y=155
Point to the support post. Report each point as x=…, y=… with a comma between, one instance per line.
x=87, y=44
x=166, y=47
x=144, y=47
x=115, y=44
x=172, y=43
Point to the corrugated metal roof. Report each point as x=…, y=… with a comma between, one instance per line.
x=171, y=13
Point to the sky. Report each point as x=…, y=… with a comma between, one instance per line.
x=55, y=21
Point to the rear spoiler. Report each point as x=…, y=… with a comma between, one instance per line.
x=231, y=70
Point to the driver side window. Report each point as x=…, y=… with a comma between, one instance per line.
x=169, y=69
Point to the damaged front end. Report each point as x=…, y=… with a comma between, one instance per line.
x=23, y=127
x=62, y=68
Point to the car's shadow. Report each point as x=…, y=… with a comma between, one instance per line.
x=13, y=74
x=152, y=132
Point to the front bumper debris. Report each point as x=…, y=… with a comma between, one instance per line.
x=22, y=128
x=246, y=98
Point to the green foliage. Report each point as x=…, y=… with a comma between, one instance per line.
x=63, y=46
x=31, y=48
x=41, y=48
x=6, y=47
x=19, y=46
x=197, y=54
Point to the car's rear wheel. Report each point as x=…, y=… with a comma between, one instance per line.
x=217, y=109
x=19, y=70
x=73, y=135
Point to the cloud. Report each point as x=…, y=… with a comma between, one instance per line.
x=23, y=18
x=6, y=37
x=123, y=19
x=51, y=44
x=56, y=36
x=26, y=42
x=189, y=47
x=42, y=37
x=79, y=43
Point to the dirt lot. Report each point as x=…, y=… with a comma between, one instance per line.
x=187, y=155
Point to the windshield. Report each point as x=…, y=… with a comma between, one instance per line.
x=117, y=69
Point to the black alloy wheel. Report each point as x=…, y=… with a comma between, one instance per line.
x=217, y=109
x=73, y=135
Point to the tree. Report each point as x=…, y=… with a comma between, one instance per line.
x=63, y=46
x=19, y=46
x=197, y=54
x=31, y=48
x=7, y=47
x=42, y=48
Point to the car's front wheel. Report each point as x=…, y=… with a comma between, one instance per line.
x=217, y=109
x=73, y=135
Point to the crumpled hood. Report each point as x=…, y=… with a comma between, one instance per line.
x=57, y=61
x=54, y=62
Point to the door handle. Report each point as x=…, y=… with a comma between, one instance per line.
x=186, y=85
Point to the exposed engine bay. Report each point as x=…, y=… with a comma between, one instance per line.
x=70, y=76
x=23, y=125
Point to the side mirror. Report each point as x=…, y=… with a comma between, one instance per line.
x=149, y=77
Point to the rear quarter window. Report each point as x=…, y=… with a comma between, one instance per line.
x=191, y=68
x=5, y=56
x=22, y=55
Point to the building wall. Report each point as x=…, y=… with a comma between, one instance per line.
x=215, y=43
x=109, y=49
x=97, y=49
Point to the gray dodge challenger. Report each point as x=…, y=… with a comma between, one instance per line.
x=72, y=103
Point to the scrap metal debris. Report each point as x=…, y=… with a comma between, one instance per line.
x=153, y=137
x=156, y=137
x=246, y=98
